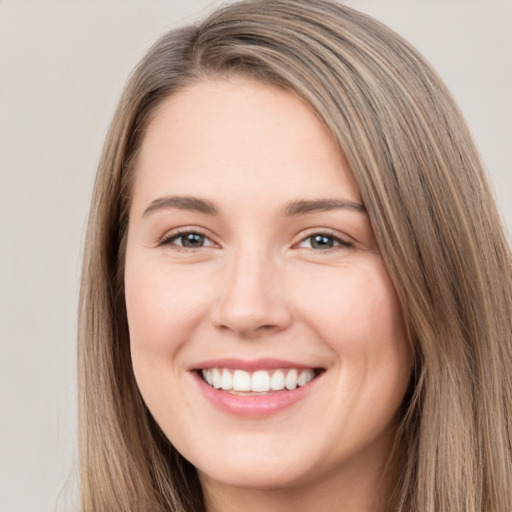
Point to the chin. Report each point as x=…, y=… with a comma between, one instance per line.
x=258, y=470
x=253, y=477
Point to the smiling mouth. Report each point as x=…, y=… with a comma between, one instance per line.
x=241, y=382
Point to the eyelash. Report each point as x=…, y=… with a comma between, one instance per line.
x=339, y=243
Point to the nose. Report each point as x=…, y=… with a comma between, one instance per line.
x=251, y=300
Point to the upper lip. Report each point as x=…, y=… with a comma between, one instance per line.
x=250, y=365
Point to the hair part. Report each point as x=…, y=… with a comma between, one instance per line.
x=422, y=183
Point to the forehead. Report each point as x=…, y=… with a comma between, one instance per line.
x=240, y=136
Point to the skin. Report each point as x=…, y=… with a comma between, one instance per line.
x=259, y=288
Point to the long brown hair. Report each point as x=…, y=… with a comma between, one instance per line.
x=434, y=217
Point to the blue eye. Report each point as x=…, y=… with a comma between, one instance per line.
x=322, y=242
x=188, y=240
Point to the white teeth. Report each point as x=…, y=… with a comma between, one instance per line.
x=277, y=381
x=260, y=381
x=305, y=377
x=241, y=381
x=291, y=380
x=227, y=380
x=217, y=379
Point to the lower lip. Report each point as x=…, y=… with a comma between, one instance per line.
x=254, y=406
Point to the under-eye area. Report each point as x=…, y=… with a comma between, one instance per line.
x=261, y=381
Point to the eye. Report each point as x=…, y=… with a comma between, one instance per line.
x=322, y=242
x=188, y=240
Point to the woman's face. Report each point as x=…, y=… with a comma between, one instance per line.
x=251, y=264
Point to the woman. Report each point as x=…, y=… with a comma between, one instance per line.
x=296, y=288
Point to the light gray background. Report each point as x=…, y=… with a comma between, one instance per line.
x=62, y=67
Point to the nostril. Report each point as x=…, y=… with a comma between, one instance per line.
x=267, y=327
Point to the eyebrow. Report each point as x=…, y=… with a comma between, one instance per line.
x=293, y=208
x=182, y=203
x=318, y=205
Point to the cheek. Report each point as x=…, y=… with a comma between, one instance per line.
x=356, y=312
x=358, y=300
x=163, y=310
x=162, y=307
